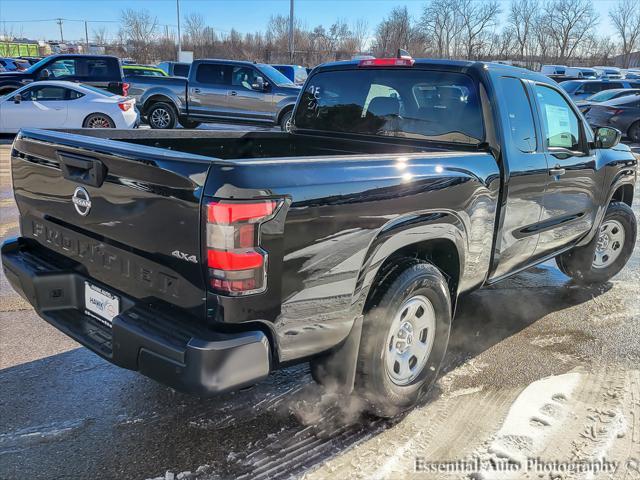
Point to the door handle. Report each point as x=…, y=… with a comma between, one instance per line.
x=196, y=90
x=58, y=108
x=233, y=93
x=557, y=171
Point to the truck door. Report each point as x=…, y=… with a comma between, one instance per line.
x=526, y=168
x=208, y=90
x=569, y=200
x=244, y=100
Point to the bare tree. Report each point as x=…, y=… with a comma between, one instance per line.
x=521, y=26
x=569, y=23
x=397, y=31
x=625, y=17
x=137, y=33
x=441, y=23
x=100, y=36
x=478, y=20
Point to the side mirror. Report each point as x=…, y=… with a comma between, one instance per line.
x=17, y=98
x=258, y=84
x=607, y=137
x=44, y=74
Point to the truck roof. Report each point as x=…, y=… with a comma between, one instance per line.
x=450, y=65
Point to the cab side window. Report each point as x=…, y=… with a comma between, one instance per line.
x=561, y=126
x=521, y=124
x=45, y=94
x=244, y=77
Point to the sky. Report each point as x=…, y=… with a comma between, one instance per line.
x=35, y=19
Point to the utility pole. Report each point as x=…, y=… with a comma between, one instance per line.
x=59, y=22
x=291, y=45
x=179, y=39
x=86, y=35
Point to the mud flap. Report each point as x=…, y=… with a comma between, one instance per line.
x=337, y=369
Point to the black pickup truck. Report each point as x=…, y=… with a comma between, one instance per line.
x=101, y=71
x=206, y=260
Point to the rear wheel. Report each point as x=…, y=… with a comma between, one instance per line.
x=634, y=132
x=608, y=251
x=98, y=120
x=189, y=123
x=404, y=337
x=162, y=116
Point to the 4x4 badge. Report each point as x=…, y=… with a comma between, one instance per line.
x=81, y=201
x=184, y=256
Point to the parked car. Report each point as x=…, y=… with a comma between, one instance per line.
x=175, y=69
x=553, y=69
x=208, y=259
x=581, y=72
x=621, y=113
x=11, y=65
x=296, y=73
x=581, y=89
x=31, y=60
x=605, y=96
x=101, y=71
x=59, y=104
x=612, y=73
x=631, y=74
x=143, y=71
x=217, y=91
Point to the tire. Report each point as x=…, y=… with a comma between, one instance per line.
x=162, y=116
x=98, y=120
x=607, y=253
x=285, y=121
x=634, y=132
x=189, y=123
x=405, y=334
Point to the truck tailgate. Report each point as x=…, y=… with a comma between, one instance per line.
x=129, y=216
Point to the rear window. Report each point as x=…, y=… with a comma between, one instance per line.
x=181, y=70
x=404, y=103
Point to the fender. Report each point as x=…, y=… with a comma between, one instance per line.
x=283, y=105
x=623, y=172
x=402, y=233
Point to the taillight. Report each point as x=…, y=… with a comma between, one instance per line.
x=125, y=89
x=124, y=106
x=236, y=263
x=387, y=62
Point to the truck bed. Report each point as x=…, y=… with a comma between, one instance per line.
x=345, y=204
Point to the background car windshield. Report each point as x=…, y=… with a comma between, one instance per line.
x=603, y=96
x=275, y=76
x=37, y=65
x=400, y=103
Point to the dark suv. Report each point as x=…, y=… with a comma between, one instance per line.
x=100, y=71
x=581, y=89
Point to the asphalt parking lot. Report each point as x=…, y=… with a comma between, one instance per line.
x=537, y=367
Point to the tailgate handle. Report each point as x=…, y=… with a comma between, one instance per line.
x=87, y=170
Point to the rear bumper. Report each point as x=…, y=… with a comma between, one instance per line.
x=168, y=346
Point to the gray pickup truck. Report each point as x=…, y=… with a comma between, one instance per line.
x=217, y=91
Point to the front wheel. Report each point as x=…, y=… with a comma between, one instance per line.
x=285, y=121
x=98, y=120
x=405, y=334
x=162, y=116
x=607, y=253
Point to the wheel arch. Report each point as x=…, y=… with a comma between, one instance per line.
x=154, y=98
x=440, y=242
x=623, y=193
x=283, y=111
x=84, y=120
